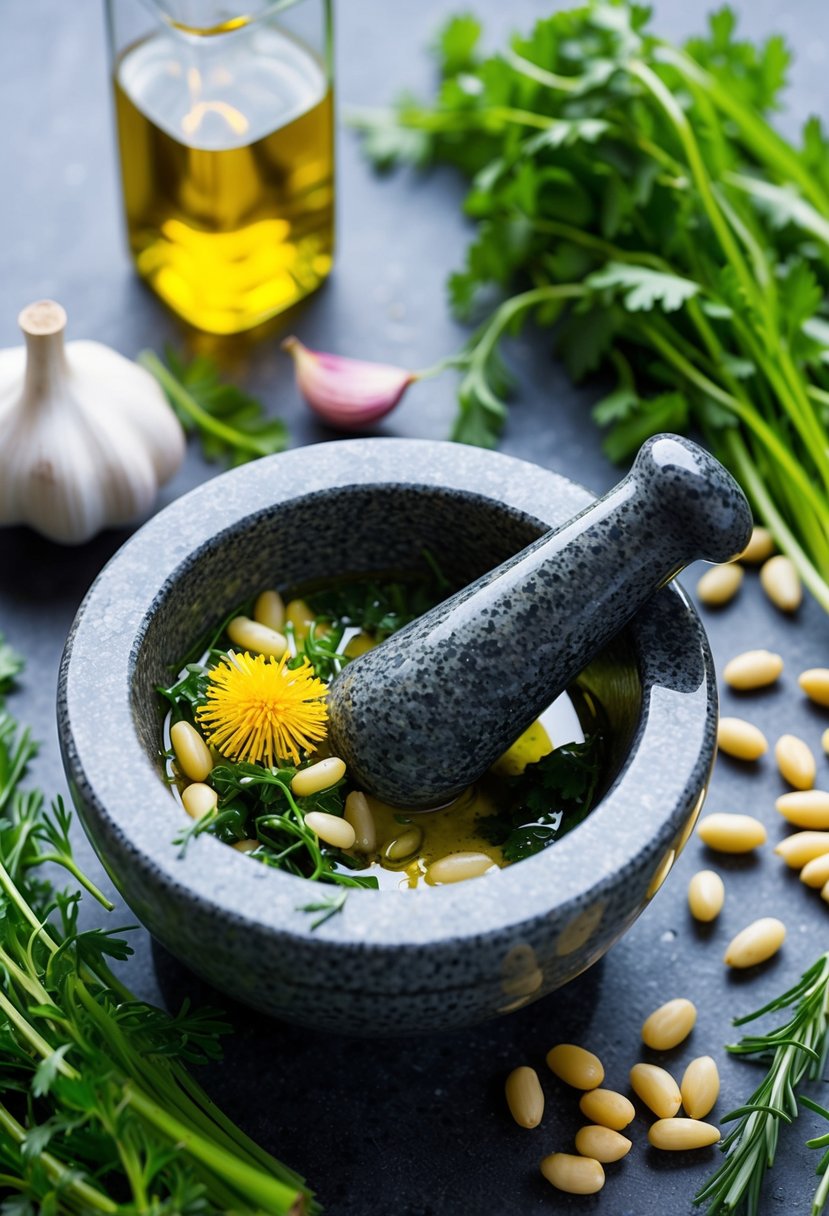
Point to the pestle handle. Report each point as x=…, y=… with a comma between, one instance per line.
x=425, y=714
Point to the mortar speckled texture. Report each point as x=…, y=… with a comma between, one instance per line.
x=391, y=962
x=536, y=620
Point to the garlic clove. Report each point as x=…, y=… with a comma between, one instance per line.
x=347, y=393
x=86, y=436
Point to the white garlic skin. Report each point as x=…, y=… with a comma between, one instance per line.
x=86, y=435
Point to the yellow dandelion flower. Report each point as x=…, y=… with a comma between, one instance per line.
x=258, y=709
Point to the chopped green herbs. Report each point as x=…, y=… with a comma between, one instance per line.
x=631, y=195
x=548, y=800
x=98, y=1113
x=231, y=424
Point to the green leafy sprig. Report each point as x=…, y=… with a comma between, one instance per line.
x=231, y=424
x=795, y=1051
x=632, y=196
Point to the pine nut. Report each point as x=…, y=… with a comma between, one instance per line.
x=756, y=943
x=192, y=753
x=455, y=867
x=608, y=1108
x=706, y=895
x=317, y=777
x=245, y=846
x=802, y=847
x=815, y=873
x=795, y=762
x=700, y=1087
x=657, y=1089
x=269, y=610
x=669, y=1025
x=525, y=1097
x=401, y=847
x=824, y=741
x=781, y=583
x=741, y=739
x=678, y=1135
x=753, y=669
x=731, y=833
x=575, y=1175
x=720, y=584
x=760, y=546
x=300, y=616
x=250, y=635
x=358, y=814
x=199, y=800
x=824, y=895
x=575, y=1066
x=805, y=808
x=815, y=684
x=331, y=828
x=601, y=1143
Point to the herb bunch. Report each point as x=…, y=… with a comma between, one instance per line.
x=98, y=1111
x=631, y=194
x=795, y=1051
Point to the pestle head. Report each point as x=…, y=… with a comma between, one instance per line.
x=700, y=504
x=424, y=715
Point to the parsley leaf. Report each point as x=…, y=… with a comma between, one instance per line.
x=641, y=288
x=230, y=423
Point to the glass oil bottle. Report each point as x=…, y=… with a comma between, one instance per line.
x=225, y=129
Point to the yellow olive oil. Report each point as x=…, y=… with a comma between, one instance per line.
x=227, y=168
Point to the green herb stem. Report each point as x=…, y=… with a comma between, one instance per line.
x=763, y=140
x=690, y=147
x=188, y=404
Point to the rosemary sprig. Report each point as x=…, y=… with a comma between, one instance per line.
x=794, y=1051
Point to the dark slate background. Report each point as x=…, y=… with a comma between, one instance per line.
x=414, y=1127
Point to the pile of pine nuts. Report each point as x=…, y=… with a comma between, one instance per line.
x=600, y=1141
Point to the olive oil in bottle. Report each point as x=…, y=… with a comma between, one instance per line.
x=226, y=140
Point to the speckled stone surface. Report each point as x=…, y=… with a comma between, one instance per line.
x=460, y=684
x=391, y=961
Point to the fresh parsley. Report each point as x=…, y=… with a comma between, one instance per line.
x=631, y=197
x=231, y=424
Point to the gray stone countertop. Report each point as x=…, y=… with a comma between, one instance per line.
x=413, y=1127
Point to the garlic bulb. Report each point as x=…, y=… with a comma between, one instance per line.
x=86, y=435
